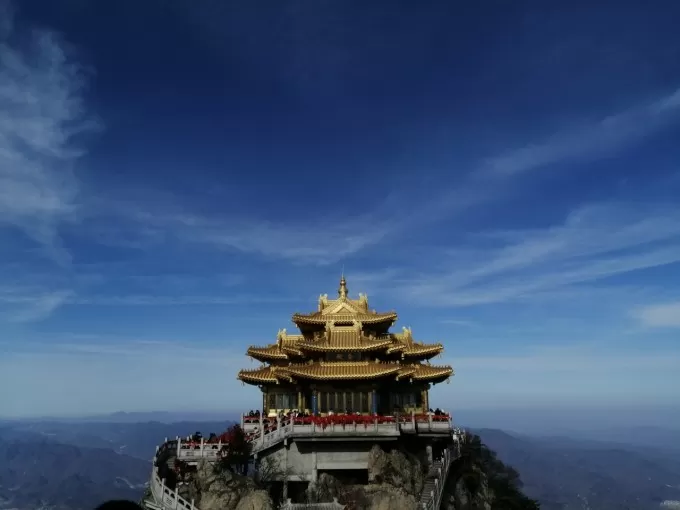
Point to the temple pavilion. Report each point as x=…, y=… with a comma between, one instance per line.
x=345, y=360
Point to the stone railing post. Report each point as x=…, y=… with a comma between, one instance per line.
x=193, y=507
x=179, y=442
x=413, y=419
x=429, y=420
x=202, y=447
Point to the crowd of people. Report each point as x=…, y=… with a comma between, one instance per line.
x=270, y=424
x=348, y=417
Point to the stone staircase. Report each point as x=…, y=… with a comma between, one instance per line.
x=433, y=490
x=430, y=486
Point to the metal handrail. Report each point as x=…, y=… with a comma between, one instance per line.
x=435, y=500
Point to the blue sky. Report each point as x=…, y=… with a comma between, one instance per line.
x=176, y=180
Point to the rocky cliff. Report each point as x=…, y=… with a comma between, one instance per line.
x=479, y=481
x=395, y=481
x=212, y=488
x=476, y=481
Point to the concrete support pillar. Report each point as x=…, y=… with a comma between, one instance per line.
x=315, y=473
x=315, y=402
x=285, y=472
x=300, y=404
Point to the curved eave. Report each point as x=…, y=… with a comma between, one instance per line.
x=432, y=374
x=396, y=348
x=344, y=348
x=294, y=351
x=425, y=351
x=258, y=376
x=267, y=353
x=266, y=375
x=323, y=319
x=405, y=373
x=313, y=373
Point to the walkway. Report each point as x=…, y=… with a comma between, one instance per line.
x=165, y=498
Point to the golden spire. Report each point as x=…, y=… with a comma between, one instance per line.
x=342, y=291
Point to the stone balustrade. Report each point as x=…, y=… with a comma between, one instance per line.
x=166, y=498
x=188, y=451
x=448, y=456
x=278, y=429
x=334, y=505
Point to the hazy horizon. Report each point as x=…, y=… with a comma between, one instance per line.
x=542, y=421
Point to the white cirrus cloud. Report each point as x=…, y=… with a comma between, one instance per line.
x=30, y=304
x=42, y=113
x=666, y=315
x=597, y=138
x=593, y=243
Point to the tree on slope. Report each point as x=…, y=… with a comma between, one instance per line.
x=235, y=453
x=479, y=466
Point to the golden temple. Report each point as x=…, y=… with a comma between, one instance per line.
x=345, y=359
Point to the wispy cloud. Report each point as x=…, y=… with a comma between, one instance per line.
x=20, y=304
x=318, y=241
x=595, y=139
x=151, y=300
x=594, y=243
x=666, y=315
x=41, y=101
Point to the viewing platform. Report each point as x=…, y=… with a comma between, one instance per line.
x=335, y=427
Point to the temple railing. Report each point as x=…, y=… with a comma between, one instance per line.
x=165, y=497
x=277, y=429
x=169, y=499
x=334, y=505
x=449, y=455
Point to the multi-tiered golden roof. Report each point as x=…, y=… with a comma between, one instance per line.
x=343, y=341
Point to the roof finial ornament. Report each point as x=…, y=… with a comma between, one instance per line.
x=342, y=291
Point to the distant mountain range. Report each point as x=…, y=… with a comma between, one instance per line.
x=39, y=473
x=566, y=473
x=72, y=466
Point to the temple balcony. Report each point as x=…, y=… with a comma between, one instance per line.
x=334, y=427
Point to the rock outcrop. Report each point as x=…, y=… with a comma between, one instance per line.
x=212, y=489
x=461, y=497
x=395, y=481
x=476, y=481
